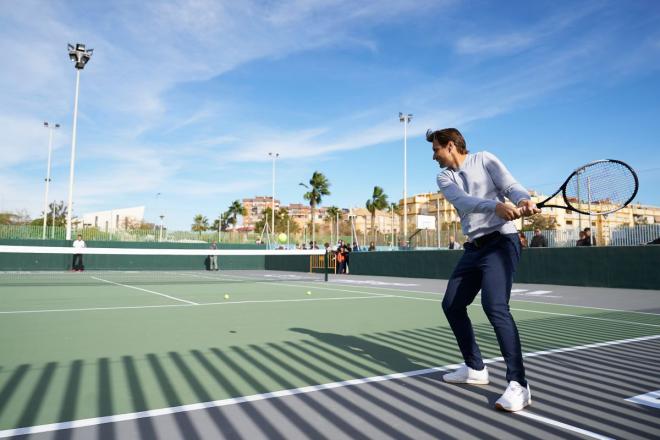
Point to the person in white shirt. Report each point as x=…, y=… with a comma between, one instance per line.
x=77, y=265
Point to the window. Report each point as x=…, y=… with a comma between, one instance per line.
x=569, y=222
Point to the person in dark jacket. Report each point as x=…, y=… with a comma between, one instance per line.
x=538, y=240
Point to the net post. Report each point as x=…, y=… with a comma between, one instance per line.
x=325, y=264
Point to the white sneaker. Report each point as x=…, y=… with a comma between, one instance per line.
x=515, y=398
x=466, y=374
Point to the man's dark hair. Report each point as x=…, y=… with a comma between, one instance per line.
x=445, y=135
x=587, y=229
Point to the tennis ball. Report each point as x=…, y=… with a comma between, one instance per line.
x=226, y=296
x=309, y=292
x=282, y=238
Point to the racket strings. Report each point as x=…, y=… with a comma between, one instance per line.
x=601, y=187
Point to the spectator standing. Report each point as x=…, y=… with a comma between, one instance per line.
x=538, y=240
x=588, y=239
x=372, y=246
x=213, y=259
x=523, y=240
x=77, y=263
x=580, y=241
x=452, y=243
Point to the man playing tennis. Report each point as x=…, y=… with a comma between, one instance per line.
x=477, y=184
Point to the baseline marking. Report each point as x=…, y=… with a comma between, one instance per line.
x=188, y=305
x=563, y=425
x=283, y=393
x=651, y=399
x=149, y=291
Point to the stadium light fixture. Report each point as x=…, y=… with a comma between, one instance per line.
x=50, y=128
x=80, y=56
x=406, y=120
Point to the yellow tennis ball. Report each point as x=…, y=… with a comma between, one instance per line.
x=309, y=292
x=226, y=296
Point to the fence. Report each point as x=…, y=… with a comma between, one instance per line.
x=624, y=236
x=143, y=235
x=423, y=239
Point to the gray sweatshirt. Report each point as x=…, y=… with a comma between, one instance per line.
x=481, y=182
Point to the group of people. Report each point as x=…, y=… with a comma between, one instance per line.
x=342, y=255
x=539, y=240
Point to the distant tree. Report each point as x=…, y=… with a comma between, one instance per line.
x=200, y=224
x=222, y=223
x=317, y=188
x=333, y=214
x=281, y=220
x=377, y=202
x=540, y=221
x=54, y=209
x=394, y=209
x=235, y=209
x=7, y=218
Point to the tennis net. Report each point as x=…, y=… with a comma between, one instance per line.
x=44, y=265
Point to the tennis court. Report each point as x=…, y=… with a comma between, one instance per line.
x=273, y=354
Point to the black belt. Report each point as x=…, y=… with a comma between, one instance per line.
x=485, y=239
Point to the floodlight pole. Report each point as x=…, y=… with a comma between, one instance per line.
x=272, y=214
x=81, y=57
x=160, y=235
x=50, y=128
x=406, y=120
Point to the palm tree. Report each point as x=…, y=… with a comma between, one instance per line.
x=378, y=201
x=235, y=209
x=318, y=187
x=200, y=224
x=394, y=209
x=332, y=214
x=221, y=223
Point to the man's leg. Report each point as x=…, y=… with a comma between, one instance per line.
x=462, y=287
x=498, y=267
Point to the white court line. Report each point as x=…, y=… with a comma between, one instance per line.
x=283, y=393
x=150, y=291
x=563, y=425
x=586, y=307
x=16, y=312
x=651, y=399
x=440, y=293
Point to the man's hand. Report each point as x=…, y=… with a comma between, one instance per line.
x=527, y=207
x=507, y=211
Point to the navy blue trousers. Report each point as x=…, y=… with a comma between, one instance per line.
x=488, y=268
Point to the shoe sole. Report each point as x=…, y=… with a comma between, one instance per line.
x=500, y=407
x=468, y=382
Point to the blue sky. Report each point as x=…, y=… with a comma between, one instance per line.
x=186, y=98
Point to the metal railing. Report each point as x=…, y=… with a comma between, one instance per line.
x=425, y=239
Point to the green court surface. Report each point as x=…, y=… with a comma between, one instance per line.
x=91, y=348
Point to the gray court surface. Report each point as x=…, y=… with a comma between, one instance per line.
x=581, y=393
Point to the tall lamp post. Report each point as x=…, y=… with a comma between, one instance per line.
x=160, y=235
x=50, y=128
x=406, y=120
x=273, y=156
x=80, y=56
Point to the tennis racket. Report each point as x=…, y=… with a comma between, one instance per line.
x=597, y=188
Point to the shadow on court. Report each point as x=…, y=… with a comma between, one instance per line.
x=583, y=387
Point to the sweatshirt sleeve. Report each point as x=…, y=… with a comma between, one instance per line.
x=503, y=179
x=462, y=200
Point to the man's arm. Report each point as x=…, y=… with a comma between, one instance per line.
x=508, y=185
x=470, y=204
x=462, y=200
